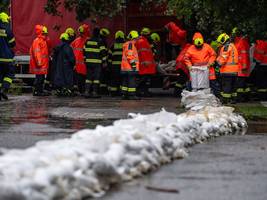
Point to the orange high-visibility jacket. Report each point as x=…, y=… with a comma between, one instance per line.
x=147, y=64
x=39, y=56
x=242, y=46
x=180, y=62
x=264, y=56
x=204, y=56
x=129, y=57
x=228, y=59
x=176, y=35
x=259, y=51
x=77, y=46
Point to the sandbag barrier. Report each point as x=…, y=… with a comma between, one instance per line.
x=88, y=163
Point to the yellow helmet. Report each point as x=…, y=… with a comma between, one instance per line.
x=70, y=31
x=145, y=31
x=119, y=34
x=104, y=32
x=64, y=36
x=132, y=35
x=4, y=17
x=81, y=29
x=222, y=38
x=234, y=30
x=155, y=37
x=45, y=30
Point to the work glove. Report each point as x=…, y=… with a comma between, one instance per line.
x=217, y=69
x=133, y=65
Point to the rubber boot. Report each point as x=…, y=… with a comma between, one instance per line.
x=3, y=93
x=104, y=90
x=87, y=93
x=95, y=93
x=134, y=97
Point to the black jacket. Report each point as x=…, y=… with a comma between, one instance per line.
x=63, y=65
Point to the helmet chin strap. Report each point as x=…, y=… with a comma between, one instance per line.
x=199, y=47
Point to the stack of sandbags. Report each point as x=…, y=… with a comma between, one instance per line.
x=88, y=163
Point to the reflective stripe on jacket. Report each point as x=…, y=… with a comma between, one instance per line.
x=39, y=56
x=242, y=46
x=228, y=59
x=7, y=41
x=130, y=60
x=115, y=55
x=93, y=52
x=77, y=46
x=146, y=57
x=259, y=51
x=264, y=56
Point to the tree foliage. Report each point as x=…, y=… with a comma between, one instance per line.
x=86, y=8
x=216, y=16
x=92, y=8
x=211, y=17
x=4, y=5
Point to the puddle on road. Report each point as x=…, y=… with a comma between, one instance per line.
x=257, y=128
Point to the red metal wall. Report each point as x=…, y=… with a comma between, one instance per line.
x=27, y=13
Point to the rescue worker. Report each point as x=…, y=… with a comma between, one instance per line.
x=227, y=61
x=182, y=70
x=242, y=46
x=147, y=64
x=260, y=56
x=94, y=57
x=72, y=35
x=49, y=77
x=215, y=73
x=80, y=67
x=176, y=37
x=115, y=57
x=7, y=42
x=64, y=62
x=39, y=60
x=104, y=79
x=130, y=67
x=155, y=43
x=199, y=58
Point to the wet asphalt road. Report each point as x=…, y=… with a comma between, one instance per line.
x=230, y=168
x=226, y=168
x=24, y=120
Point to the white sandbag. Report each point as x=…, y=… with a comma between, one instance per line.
x=199, y=77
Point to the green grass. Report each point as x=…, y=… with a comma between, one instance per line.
x=252, y=111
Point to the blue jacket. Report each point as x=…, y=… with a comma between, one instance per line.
x=7, y=41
